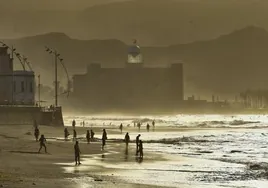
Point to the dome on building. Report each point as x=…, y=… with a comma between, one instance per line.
x=134, y=50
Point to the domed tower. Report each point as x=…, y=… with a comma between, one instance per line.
x=134, y=55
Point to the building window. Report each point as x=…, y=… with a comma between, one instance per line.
x=22, y=86
x=14, y=86
x=31, y=87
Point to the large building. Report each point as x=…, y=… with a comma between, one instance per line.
x=17, y=87
x=132, y=87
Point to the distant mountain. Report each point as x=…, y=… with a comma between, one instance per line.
x=225, y=65
x=151, y=22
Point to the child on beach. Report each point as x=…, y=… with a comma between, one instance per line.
x=121, y=127
x=42, y=141
x=77, y=153
x=92, y=134
x=66, y=133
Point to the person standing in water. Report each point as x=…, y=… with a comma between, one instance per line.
x=83, y=123
x=42, y=141
x=139, y=126
x=121, y=127
x=73, y=123
x=148, y=127
x=127, y=139
x=36, y=133
x=104, y=138
x=77, y=153
x=141, y=149
x=66, y=133
x=153, y=123
x=74, y=135
x=137, y=144
x=88, y=136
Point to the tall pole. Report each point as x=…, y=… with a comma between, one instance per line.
x=12, y=77
x=56, y=79
x=39, y=95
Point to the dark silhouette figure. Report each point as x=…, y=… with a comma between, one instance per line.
x=92, y=134
x=74, y=134
x=139, y=126
x=148, y=127
x=104, y=138
x=77, y=153
x=73, y=123
x=127, y=138
x=42, y=141
x=137, y=144
x=141, y=149
x=153, y=123
x=121, y=127
x=88, y=136
x=83, y=123
x=66, y=133
x=36, y=133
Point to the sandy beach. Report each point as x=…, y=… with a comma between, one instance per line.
x=21, y=165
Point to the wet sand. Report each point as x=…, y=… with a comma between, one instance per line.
x=21, y=166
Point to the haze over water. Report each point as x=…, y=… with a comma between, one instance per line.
x=210, y=150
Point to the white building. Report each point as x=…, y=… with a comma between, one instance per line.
x=16, y=87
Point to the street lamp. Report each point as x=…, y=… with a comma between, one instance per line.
x=56, y=59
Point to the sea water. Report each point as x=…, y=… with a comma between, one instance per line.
x=218, y=151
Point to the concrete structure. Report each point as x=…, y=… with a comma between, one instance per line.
x=132, y=87
x=16, y=87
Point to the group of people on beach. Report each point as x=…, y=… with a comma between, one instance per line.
x=90, y=137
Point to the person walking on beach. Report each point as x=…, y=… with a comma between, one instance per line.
x=77, y=153
x=141, y=149
x=73, y=123
x=104, y=138
x=121, y=127
x=66, y=133
x=74, y=135
x=92, y=134
x=42, y=141
x=137, y=144
x=36, y=133
x=148, y=127
x=88, y=136
x=127, y=139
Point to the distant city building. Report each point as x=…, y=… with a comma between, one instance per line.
x=134, y=86
x=17, y=87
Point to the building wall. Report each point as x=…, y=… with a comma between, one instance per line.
x=130, y=87
x=23, y=88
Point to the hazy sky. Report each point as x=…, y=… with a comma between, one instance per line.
x=52, y=4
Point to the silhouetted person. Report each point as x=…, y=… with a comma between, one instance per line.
x=77, y=153
x=42, y=141
x=88, y=136
x=104, y=138
x=92, y=134
x=148, y=127
x=137, y=144
x=153, y=123
x=83, y=123
x=127, y=139
x=141, y=149
x=73, y=123
x=36, y=133
x=139, y=126
x=66, y=133
x=74, y=134
x=121, y=127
